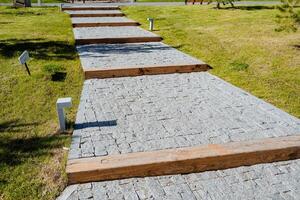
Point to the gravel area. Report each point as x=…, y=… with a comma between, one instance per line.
x=79, y=20
x=146, y=113
x=132, y=55
x=111, y=32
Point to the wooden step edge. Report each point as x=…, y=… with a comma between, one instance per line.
x=78, y=25
x=183, y=160
x=117, y=40
x=98, y=15
x=90, y=8
x=147, y=70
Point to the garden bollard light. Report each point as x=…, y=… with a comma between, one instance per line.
x=62, y=103
x=151, y=25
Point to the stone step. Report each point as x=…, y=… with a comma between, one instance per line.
x=108, y=35
x=89, y=7
x=134, y=59
x=183, y=160
x=95, y=13
x=102, y=21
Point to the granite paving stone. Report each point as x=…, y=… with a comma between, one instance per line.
x=83, y=6
x=130, y=55
x=111, y=32
x=279, y=180
x=147, y=113
x=82, y=20
x=93, y=12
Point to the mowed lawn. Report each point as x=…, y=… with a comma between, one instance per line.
x=32, y=158
x=240, y=44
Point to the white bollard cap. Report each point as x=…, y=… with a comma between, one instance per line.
x=64, y=102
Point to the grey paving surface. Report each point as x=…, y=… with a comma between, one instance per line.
x=146, y=113
x=111, y=32
x=265, y=181
x=132, y=55
x=93, y=11
x=89, y=5
x=79, y=20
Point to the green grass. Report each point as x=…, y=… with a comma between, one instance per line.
x=35, y=1
x=32, y=158
x=189, y=0
x=63, y=1
x=240, y=44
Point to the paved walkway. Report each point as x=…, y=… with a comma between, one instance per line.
x=143, y=113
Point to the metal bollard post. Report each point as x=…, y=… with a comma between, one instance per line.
x=151, y=23
x=62, y=103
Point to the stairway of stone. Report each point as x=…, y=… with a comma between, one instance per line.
x=151, y=122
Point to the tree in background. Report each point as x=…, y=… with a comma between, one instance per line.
x=289, y=18
x=224, y=2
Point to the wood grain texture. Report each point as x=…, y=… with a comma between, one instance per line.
x=98, y=15
x=76, y=25
x=118, y=40
x=183, y=160
x=139, y=71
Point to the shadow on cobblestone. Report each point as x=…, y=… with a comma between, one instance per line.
x=121, y=49
x=96, y=124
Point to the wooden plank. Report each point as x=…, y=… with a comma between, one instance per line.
x=76, y=25
x=139, y=71
x=118, y=40
x=91, y=8
x=183, y=160
x=98, y=15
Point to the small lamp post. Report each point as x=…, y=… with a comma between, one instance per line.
x=151, y=23
x=62, y=103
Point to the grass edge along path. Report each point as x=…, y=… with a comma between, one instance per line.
x=32, y=158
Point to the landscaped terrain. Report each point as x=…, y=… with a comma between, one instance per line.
x=32, y=158
x=240, y=44
x=64, y=1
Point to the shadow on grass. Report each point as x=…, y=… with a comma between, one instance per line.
x=15, y=126
x=296, y=46
x=254, y=7
x=19, y=12
x=38, y=48
x=248, y=8
x=59, y=76
x=15, y=151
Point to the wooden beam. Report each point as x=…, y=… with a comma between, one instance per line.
x=183, y=160
x=91, y=8
x=98, y=15
x=139, y=71
x=105, y=24
x=118, y=40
